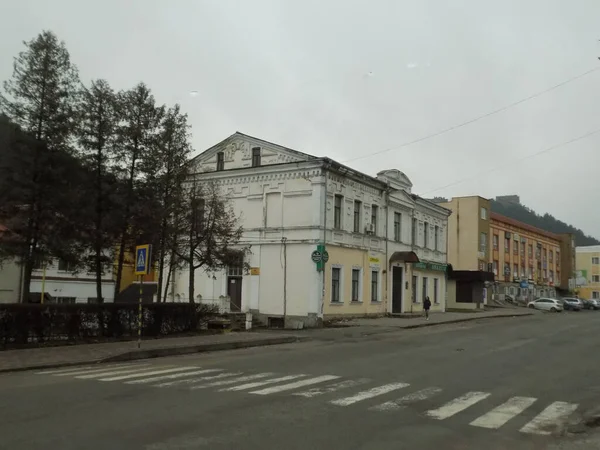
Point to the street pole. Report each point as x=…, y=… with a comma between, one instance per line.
x=140, y=311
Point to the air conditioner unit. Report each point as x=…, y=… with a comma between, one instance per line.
x=370, y=228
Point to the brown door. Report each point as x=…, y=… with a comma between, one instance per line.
x=234, y=291
x=396, y=289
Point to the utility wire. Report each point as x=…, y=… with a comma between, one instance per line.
x=562, y=144
x=476, y=119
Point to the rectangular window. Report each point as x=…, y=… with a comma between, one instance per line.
x=495, y=267
x=595, y=260
x=495, y=241
x=596, y=278
x=596, y=295
x=64, y=266
x=374, y=213
x=523, y=275
x=414, y=231
x=545, y=255
x=551, y=256
x=436, y=282
x=426, y=235
x=374, y=285
x=551, y=278
x=516, y=270
x=506, y=272
x=220, y=161
x=530, y=251
x=482, y=242
x=436, y=238
x=516, y=248
x=397, y=227
x=256, y=157
x=414, y=289
x=424, y=288
x=483, y=213
x=507, y=244
x=357, y=221
x=337, y=212
x=523, y=249
x=530, y=272
x=355, y=285
x=336, y=274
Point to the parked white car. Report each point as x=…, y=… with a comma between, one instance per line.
x=546, y=304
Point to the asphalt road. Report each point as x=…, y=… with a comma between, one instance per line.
x=493, y=384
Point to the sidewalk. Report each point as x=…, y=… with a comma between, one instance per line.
x=50, y=357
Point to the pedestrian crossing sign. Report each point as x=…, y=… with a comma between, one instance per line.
x=142, y=259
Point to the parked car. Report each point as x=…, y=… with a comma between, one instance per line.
x=591, y=304
x=546, y=304
x=572, y=304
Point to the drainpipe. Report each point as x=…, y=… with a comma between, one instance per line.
x=412, y=247
x=325, y=167
x=283, y=242
x=387, y=238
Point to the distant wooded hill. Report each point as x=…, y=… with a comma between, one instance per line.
x=510, y=206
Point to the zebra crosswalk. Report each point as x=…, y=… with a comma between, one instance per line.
x=338, y=391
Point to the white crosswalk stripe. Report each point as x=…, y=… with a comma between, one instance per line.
x=295, y=385
x=409, y=399
x=457, y=405
x=314, y=392
x=106, y=373
x=198, y=380
x=103, y=369
x=364, y=395
x=549, y=417
x=234, y=380
x=79, y=368
x=256, y=384
x=172, y=376
x=146, y=374
x=500, y=415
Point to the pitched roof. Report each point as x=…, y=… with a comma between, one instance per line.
x=524, y=226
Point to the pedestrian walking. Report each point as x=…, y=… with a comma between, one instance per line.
x=426, y=306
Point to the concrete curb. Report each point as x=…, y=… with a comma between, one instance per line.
x=466, y=319
x=161, y=352
x=201, y=348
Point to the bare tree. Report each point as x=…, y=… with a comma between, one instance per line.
x=208, y=232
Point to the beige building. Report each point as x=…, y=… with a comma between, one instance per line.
x=588, y=272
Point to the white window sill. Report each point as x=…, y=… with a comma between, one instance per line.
x=336, y=303
x=356, y=302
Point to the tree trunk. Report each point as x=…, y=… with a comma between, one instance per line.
x=191, y=286
x=161, y=257
x=120, y=262
x=167, y=283
x=98, y=249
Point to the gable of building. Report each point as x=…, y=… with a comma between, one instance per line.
x=240, y=151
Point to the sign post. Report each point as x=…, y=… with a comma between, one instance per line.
x=320, y=257
x=142, y=267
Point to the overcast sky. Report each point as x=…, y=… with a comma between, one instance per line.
x=348, y=78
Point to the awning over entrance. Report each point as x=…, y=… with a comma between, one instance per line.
x=409, y=257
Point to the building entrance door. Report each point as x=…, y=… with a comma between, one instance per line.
x=396, y=290
x=234, y=291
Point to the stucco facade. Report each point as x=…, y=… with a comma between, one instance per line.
x=289, y=203
x=588, y=272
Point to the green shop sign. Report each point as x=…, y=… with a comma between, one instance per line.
x=431, y=266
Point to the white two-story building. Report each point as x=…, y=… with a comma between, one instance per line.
x=386, y=247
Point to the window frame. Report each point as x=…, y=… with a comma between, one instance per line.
x=337, y=211
x=358, y=299
x=220, y=161
x=256, y=157
x=375, y=298
x=398, y=227
x=357, y=216
x=339, y=272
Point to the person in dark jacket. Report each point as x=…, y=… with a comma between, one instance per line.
x=426, y=306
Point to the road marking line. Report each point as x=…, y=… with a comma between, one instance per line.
x=501, y=414
x=145, y=374
x=262, y=383
x=332, y=388
x=172, y=376
x=105, y=373
x=403, y=402
x=77, y=369
x=197, y=380
x=297, y=384
x=549, y=417
x=234, y=380
x=457, y=405
x=498, y=416
x=364, y=395
x=104, y=369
